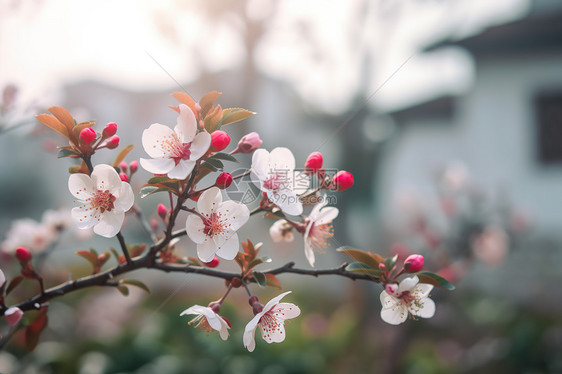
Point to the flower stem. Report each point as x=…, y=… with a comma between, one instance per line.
x=124, y=247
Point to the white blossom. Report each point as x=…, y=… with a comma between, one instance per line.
x=410, y=297
x=206, y=319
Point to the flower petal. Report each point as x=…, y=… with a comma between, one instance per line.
x=326, y=215
x=236, y=213
x=81, y=186
x=153, y=137
x=281, y=159
x=273, y=331
x=182, y=169
x=195, y=309
x=387, y=300
x=157, y=165
x=395, y=315
x=126, y=197
x=84, y=216
x=407, y=284
x=287, y=201
x=286, y=311
x=224, y=329
x=105, y=177
x=273, y=302
x=424, y=308
x=110, y=224
x=260, y=164
x=229, y=249
x=209, y=201
x=422, y=290
x=249, y=333
x=200, y=145
x=186, y=125
x=308, y=251
x=194, y=227
x=206, y=250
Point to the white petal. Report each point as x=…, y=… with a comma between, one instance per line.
x=229, y=248
x=274, y=332
x=110, y=224
x=316, y=210
x=194, y=227
x=422, y=290
x=195, y=309
x=206, y=250
x=260, y=164
x=186, y=125
x=81, y=186
x=209, y=201
x=249, y=333
x=126, y=197
x=200, y=145
x=395, y=315
x=237, y=214
x=407, y=284
x=152, y=140
x=224, y=329
x=276, y=231
x=282, y=159
x=105, y=177
x=326, y=215
x=286, y=311
x=425, y=308
x=388, y=301
x=273, y=302
x=84, y=216
x=308, y=251
x=182, y=169
x=287, y=201
x=157, y=165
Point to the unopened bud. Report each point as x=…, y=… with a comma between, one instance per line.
x=113, y=142
x=123, y=166
x=382, y=267
x=23, y=255
x=413, y=263
x=162, y=211
x=109, y=130
x=343, y=180
x=391, y=288
x=219, y=140
x=13, y=315
x=249, y=143
x=88, y=135
x=224, y=180
x=215, y=307
x=124, y=177
x=213, y=263
x=313, y=163
x=236, y=282
x=134, y=166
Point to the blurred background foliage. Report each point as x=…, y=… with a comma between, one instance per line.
x=446, y=112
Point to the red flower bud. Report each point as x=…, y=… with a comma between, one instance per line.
x=249, y=143
x=123, y=166
x=313, y=162
x=113, y=142
x=124, y=177
x=219, y=140
x=413, y=263
x=162, y=211
x=134, y=166
x=213, y=263
x=109, y=130
x=236, y=282
x=343, y=180
x=88, y=135
x=224, y=180
x=23, y=255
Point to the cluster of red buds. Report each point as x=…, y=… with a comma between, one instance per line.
x=341, y=181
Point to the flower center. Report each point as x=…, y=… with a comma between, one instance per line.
x=174, y=149
x=407, y=297
x=275, y=181
x=102, y=200
x=318, y=235
x=270, y=324
x=202, y=324
x=214, y=225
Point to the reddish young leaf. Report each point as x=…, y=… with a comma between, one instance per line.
x=184, y=98
x=33, y=331
x=13, y=284
x=121, y=156
x=53, y=123
x=207, y=102
x=272, y=281
x=89, y=256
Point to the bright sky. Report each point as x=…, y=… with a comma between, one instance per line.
x=317, y=45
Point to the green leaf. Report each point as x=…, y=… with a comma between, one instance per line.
x=260, y=278
x=435, y=279
x=223, y=156
x=361, y=268
x=370, y=259
x=123, y=289
x=231, y=115
x=65, y=153
x=149, y=190
x=161, y=179
x=121, y=155
x=390, y=263
x=216, y=163
x=136, y=283
x=209, y=166
x=115, y=254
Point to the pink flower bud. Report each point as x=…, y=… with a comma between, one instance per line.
x=224, y=180
x=343, y=180
x=13, y=315
x=213, y=263
x=110, y=129
x=124, y=177
x=88, y=135
x=123, y=166
x=313, y=163
x=219, y=140
x=413, y=263
x=249, y=143
x=113, y=142
x=23, y=255
x=134, y=166
x=391, y=288
x=162, y=211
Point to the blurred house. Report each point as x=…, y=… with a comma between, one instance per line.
x=506, y=130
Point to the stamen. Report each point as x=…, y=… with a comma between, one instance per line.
x=318, y=235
